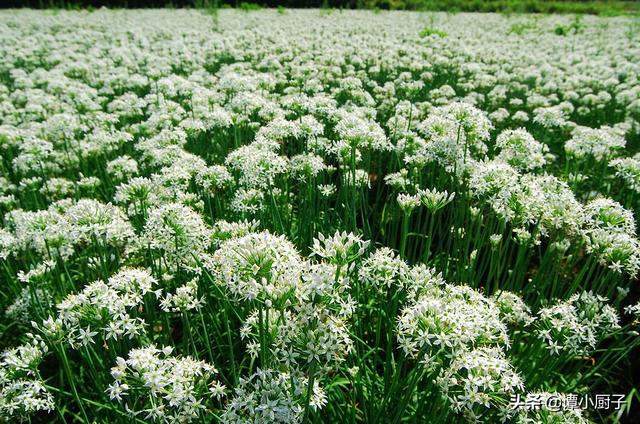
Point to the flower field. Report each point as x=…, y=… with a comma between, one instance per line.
x=318, y=216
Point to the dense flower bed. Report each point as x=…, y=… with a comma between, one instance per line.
x=316, y=216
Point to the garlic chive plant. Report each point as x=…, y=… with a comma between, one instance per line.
x=317, y=217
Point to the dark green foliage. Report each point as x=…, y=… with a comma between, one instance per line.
x=596, y=7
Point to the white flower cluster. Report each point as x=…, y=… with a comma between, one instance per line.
x=547, y=205
x=611, y=235
x=257, y=266
x=600, y=143
x=434, y=200
x=513, y=310
x=340, y=249
x=170, y=389
x=256, y=166
x=313, y=327
x=22, y=390
x=102, y=308
x=479, y=380
x=384, y=268
x=528, y=199
x=519, y=149
x=300, y=320
x=184, y=299
x=177, y=233
x=629, y=170
x=56, y=231
x=269, y=396
x=445, y=320
x=455, y=134
x=576, y=325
